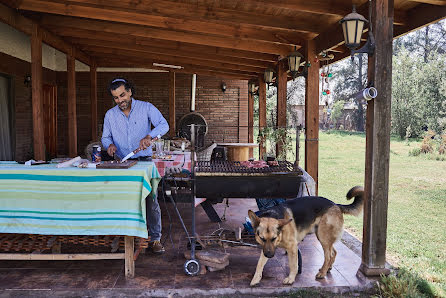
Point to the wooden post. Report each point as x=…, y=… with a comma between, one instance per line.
x=94, y=101
x=378, y=142
x=312, y=114
x=37, y=93
x=129, y=246
x=172, y=104
x=250, y=122
x=262, y=116
x=281, y=104
x=71, y=93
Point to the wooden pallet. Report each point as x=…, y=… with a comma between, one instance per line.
x=48, y=247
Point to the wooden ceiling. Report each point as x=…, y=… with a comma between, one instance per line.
x=230, y=38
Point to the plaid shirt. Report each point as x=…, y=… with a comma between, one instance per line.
x=126, y=132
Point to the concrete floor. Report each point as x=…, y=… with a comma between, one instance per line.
x=164, y=276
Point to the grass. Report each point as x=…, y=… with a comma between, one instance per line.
x=416, y=236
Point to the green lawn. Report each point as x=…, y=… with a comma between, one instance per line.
x=416, y=235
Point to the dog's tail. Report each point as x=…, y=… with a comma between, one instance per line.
x=354, y=208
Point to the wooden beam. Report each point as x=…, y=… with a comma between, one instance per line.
x=262, y=117
x=433, y=2
x=94, y=102
x=420, y=16
x=86, y=43
x=108, y=62
x=19, y=22
x=71, y=94
x=140, y=16
x=282, y=80
x=251, y=122
x=172, y=125
x=123, y=54
x=377, y=169
x=312, y=116
x=79, y=34
x=177, y=12
x=149, y=32
x=37, y=93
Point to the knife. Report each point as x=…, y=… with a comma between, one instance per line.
x=130, y=154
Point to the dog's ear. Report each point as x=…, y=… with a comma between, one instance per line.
x=255, y=220
x=283, y=222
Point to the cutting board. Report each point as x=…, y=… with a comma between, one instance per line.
x=116, y=165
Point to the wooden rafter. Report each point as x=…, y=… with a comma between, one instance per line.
x=174, y=10
x=86, y=44
x=25, y=25
x=148, y=32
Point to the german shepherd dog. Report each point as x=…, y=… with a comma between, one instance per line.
x=273, y=228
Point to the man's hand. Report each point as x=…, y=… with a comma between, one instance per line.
x=111, y=149
x=145, y=142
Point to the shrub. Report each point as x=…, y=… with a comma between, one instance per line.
x=415, y=152
x=404, y=284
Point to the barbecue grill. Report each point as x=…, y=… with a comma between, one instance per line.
x=234, y=179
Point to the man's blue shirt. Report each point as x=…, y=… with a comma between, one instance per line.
x=126, y=132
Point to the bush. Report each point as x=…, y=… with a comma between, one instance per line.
x=415, y=152
x=404, y=284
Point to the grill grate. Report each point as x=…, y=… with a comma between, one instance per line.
x=241, y=167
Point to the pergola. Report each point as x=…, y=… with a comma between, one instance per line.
x=228, y=38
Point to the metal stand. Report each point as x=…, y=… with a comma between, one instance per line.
x=192, y=267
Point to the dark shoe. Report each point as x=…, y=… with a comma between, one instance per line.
x=157, y=247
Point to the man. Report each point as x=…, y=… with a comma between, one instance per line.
x=127, y=126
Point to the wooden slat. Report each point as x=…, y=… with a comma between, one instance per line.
x=179, y=10
x=172, y=104
x=149, y=32
x=113, y=61
x=94, y=101
x=421, y=15
x=190, y=69
x=142, y=16
x=123, y=54
x=37, y=93
x=375, y=209
x=71, y=94
x=62, y=257
x=262, y=115
x=79, y=34
x=312, y=116
x=281, y=100
x=152, y=48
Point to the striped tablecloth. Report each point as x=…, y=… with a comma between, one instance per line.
x=177, y=160
x=43, y=199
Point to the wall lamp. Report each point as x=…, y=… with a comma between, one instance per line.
x=294, y=61
x=268, y=77
x=352, y=27
x=223, y=86
x=27, y=81
x=252, y=87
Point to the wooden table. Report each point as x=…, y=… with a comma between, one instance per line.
x=46, y=200
x=238, y=151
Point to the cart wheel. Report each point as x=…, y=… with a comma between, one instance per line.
x=191, y=267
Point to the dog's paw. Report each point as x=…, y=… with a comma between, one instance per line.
x=320, y=275
x=288, y=281
x=255, y=281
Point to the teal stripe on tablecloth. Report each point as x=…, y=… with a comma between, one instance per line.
x=70, y=192
x=71, y=218
x=70, y=178
x=72, y=213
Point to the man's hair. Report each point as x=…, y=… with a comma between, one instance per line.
x=118, y=82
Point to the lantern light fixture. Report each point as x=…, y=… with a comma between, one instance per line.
x=352, y=27
x=268, y=75
x=294, y=61
x=252, y=87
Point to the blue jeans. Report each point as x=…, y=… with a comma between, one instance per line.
x=153, y=215
x=268, y=203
